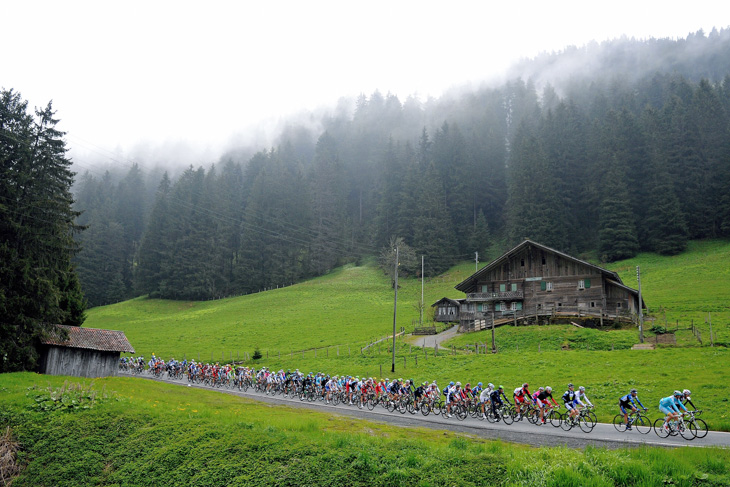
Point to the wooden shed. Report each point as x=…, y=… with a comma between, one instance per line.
x=87, y=352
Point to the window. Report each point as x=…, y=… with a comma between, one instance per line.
x=618, y=305
x=498, y=307
x=514, y=287
x=479, y=307
x=485, y=288
x=522, y=262
x=546, y=286
x=539, y=305
x=593, y=304
x=502, y=288
x=581, y=285
x=560, y=305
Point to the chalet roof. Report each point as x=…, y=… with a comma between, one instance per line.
x=91, y=339
x=467, y=283
x=455, y=302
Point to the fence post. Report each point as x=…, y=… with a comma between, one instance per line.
x=381, y=371
x=315, y=352
x=404, y=362
x=539, y=347
x=338, y=350
x=416, y=357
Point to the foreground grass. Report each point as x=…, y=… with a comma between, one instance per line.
x=156, y=434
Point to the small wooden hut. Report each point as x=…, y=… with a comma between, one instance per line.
x=86, y=352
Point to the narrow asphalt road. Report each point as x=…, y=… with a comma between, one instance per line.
x=603, y=435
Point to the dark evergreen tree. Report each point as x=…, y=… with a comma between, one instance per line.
x=617, y=231
x=37, y=222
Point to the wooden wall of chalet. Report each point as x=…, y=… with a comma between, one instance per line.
x=78, y=362
x=563, y=274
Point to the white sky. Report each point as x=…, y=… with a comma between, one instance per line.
x=172, y=73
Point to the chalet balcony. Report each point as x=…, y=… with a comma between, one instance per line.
x=505, y=296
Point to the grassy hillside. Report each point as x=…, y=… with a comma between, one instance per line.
x=353, y=305
x=350, y=306
x=139, y=432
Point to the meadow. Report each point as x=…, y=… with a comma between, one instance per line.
x=321, y=326
x=138, y=432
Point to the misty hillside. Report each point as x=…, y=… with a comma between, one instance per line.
x=610, y=148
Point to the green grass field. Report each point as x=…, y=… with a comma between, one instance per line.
x=321, y=325
x=140, y=432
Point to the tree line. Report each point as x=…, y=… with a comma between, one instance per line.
x=615, y=165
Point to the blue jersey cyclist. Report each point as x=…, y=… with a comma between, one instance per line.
x=629, y=401
x=670, y=407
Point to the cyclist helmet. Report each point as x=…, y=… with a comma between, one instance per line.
x=501, y=387
x=570, y=385
x=633, y=391
x=548, y=389
x=492, y=385
x=451, y=383
x=524, y=386
x=479, y=384
x=458, y=384
x=686, y=392
x=541, y=388
x=678, y=393
x=582, y=389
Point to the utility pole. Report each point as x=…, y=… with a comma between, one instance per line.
x=476, y=261
x=395, y=307
x=641, y=312
x=421, y=320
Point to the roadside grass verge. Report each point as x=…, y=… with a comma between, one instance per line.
x=160, y=434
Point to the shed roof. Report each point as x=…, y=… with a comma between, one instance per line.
x=90, y=338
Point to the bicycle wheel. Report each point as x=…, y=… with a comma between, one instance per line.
x=555, y=418
x=585, y=423
x=619, y=423
x=425, y=408
x=461, y=412
x=688, y=430
x=567, y=423
x=642, y=424
x=659, y=428
x=371, y=403
x=592, y=416
x=701, y=427
x=506, y=415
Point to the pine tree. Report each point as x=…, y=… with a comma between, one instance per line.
x=617, y=231
x=37, y=222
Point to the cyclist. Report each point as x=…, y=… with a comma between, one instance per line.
x=570, y=400
x=520, y=394
x=582, y=398
x=484, y=398
x=542, y=401
x=670, y=407
x=629, y=401
x=496, y=399
x=687, y=400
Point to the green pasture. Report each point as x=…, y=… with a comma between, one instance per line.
x=138, y=432
x=353, y=305
x=350, y=306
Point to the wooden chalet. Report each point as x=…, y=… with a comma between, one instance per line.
x=447, y=310
x=532, y=283
x=83, y=352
